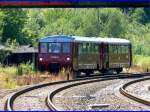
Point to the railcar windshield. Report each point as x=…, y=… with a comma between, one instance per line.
x=66, y=47
x=54, y=48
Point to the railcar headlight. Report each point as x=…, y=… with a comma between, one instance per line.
x=41, y=59
x=68, y=59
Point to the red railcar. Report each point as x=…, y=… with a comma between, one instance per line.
x=84, y=54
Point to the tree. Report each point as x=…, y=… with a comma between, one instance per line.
x=147, y=14
x=1, y=23
x=14, y=20
x=139, y=15
x=33, y=25
x=116, y=24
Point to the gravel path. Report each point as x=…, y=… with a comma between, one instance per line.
x=95, y=96
x=140, y=89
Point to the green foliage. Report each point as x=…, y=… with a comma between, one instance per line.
x=139, y=36
x=34, y=23
x=143, y=61
x=19, y=71
x=11, y=44
x=116, y=24
x=3, y=54
x=13, y=23
x=1, y=24
x=25, y=68
x=24, y=26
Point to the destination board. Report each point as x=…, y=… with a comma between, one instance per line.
x=74, y=3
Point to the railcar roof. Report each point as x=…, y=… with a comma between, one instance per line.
x=67, y=38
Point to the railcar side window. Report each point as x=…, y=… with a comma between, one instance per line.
x=66, y=47
x=110, y=49
x=88, y=48
x=95, y=48
x=124, y=49
x=84, y=48
x=119, y=49
x=54, y=48
x=43, y=47
x=115, y=49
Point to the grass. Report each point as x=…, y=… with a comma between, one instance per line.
x=7, y=77
x=142, y=61
x=8, y=71
x=11, y=79
x=64, y=74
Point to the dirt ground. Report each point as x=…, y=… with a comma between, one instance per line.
x=135, y=69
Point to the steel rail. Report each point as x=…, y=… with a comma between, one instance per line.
x=131, y=96
x=50, y=96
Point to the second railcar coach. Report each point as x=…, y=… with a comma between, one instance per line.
x=116, y=54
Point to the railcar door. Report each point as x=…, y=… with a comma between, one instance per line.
x=104, y=56
x=87, y=55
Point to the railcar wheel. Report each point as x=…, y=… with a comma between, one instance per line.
x=76, y=74
x=103, y=71
x=88, y=72
x=118, y=70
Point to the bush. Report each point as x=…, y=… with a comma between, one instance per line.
x=25, y=68
x=142, y=61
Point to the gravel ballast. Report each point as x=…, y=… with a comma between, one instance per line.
x=35, y=99
x=95, y=96
x=140, y=89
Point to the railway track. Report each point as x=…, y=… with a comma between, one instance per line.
x=10, y=102
x=131, y=96
x=49, y=101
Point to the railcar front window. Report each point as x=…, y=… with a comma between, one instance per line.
x=54, y=48
x=66, y=47
x=43, y=47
